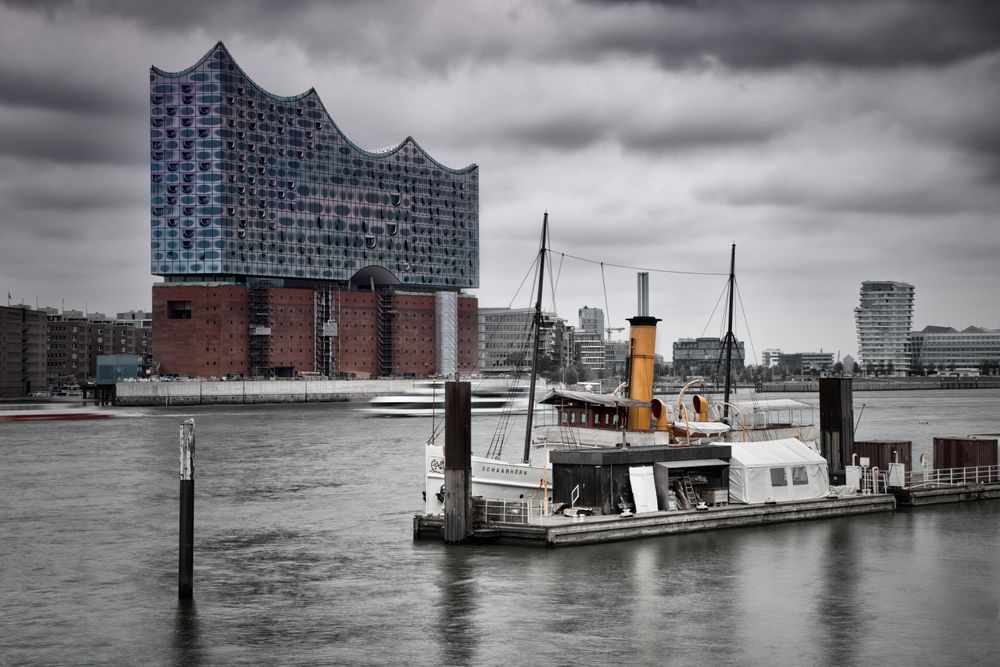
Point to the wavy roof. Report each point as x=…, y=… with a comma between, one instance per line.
x=220, y=47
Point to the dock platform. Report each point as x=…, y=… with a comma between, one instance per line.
x=562, y=531
x=916, y=497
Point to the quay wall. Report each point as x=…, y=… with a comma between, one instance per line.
x=897, y=384
x=210, y=392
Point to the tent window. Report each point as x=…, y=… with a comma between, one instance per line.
x=778, y=477
x=799, y=476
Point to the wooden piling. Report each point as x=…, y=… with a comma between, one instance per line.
x=185, y=568
x=457, y=462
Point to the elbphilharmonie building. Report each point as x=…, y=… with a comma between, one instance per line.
x=284, y=247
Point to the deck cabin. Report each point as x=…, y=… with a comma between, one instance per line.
x=584, y=409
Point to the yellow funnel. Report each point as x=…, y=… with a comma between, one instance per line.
x=640, y=385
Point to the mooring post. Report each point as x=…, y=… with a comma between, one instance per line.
x=457, y=461
x=185, y=568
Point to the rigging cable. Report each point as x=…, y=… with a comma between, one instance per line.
x=502, y=429
x=714, y=309
x=639, y=268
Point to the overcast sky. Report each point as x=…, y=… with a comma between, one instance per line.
x=832, y=142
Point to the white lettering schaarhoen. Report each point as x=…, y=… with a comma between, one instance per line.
x=503, y=470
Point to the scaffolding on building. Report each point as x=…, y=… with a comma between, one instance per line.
x=260, y=318
x=386, y=317
x=326, y=321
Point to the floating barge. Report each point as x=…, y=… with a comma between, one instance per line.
x=564, y=531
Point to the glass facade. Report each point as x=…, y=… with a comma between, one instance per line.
x=249, y=184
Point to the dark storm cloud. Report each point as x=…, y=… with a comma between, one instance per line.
x=876, y=200
x=579, y=132
x=654, y=132
x=759, y=34
x=779, y=33
x=694, y=135
x=69, y=139
x=61, y=90
x=555, y=133
x=264, y=17
x=55, y=197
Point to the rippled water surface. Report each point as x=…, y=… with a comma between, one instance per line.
x=303, y=554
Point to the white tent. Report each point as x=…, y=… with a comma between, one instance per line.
x=781, y=470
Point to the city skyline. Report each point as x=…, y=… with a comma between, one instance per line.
x=832, y=148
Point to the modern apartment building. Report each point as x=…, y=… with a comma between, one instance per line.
x=589, y=339
x=883, y=319
x=285, y=247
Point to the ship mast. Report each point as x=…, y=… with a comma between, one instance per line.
x=729, y=336
x=537, y=324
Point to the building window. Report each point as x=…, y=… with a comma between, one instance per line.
x=778, y=477
x=179, y=310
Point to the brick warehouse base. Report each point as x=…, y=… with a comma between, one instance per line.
x=205, y=331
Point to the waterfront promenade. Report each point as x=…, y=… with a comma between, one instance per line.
x=219, y=392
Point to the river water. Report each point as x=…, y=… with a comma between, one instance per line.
x=304, y=555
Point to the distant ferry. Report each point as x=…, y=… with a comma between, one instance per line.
x=30, y=412
x=427, y=399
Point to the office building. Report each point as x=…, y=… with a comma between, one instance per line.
x=75, y=340
x=806, y=363
x=883, y=319
x=616, y=357
x=506, y=336
x=937, y=349
x=285, y=247
x=706, y=357
x=770, y=358
x=591, y=321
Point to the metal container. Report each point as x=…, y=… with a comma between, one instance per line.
x=881, y=453
x=956, y=452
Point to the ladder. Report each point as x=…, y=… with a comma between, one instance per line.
x=689, y=495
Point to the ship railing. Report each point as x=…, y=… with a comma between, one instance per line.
x=916, y=479
x=512, y=512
